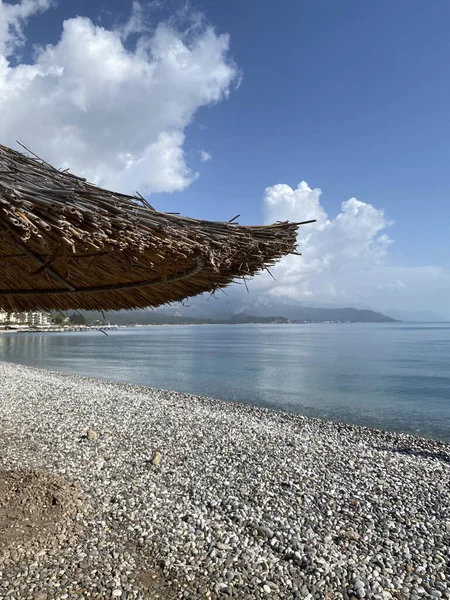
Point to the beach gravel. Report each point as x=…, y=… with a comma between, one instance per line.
x=111, y=490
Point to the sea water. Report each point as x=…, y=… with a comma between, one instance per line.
x=388, y=376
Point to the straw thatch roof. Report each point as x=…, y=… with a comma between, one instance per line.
x=66, y=243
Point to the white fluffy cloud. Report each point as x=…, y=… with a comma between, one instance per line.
x=113, y=113
x=345, y=260
x=334, y=250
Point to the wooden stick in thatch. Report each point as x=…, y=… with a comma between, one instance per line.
x=68, y=244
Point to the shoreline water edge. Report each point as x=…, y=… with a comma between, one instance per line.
x=110, y=490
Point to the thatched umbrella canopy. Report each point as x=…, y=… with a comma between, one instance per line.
x=68, y=244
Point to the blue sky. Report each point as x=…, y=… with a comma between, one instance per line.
x=352, y=97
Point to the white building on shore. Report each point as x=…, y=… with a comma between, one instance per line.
x=32, y=319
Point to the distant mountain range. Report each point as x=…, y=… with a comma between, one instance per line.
x=299, y=315
x=261, y=305
x=235, y=305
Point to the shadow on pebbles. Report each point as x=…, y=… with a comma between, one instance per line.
x=33, y=506
x=44, y=517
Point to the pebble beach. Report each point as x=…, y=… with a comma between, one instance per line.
x=112, y=490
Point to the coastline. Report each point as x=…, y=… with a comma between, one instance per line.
x=243, y=502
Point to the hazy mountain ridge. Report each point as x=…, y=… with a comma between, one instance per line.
x=299, y=315
x=262, y=306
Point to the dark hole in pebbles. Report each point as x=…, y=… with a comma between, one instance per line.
x=156, y=585
x=33, y=505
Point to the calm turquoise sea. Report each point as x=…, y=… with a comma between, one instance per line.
x=389, y=376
